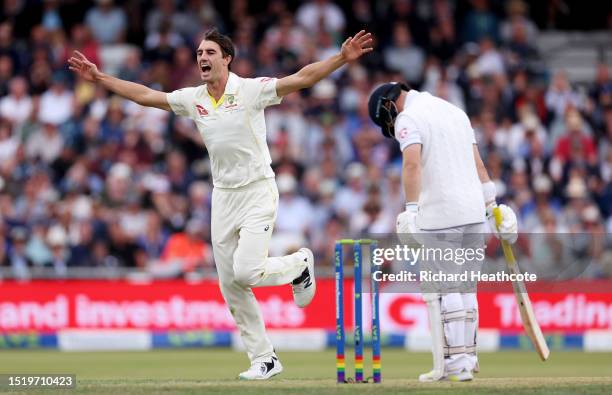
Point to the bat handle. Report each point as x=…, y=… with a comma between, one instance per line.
x=498, y=216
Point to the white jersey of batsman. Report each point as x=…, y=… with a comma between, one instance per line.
x=451, y=192
x=233, y=129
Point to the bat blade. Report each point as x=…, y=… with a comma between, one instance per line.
x=530, y=324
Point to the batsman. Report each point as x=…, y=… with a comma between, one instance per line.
x=448, y=193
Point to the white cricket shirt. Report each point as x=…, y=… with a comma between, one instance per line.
x=451, y=192
x=233, y=129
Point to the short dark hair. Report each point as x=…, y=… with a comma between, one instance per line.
x=225, y=43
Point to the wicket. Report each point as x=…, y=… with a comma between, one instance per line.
x=358, y=327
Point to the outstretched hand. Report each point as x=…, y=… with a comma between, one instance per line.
x=354, y=47
x=83, y=67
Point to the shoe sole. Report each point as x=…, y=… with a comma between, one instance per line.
x=262, y=378
x=458, y=378
x=310, y=265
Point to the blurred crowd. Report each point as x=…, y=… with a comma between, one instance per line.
x=88, y=179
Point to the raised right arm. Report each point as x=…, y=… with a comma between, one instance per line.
x=130, y=90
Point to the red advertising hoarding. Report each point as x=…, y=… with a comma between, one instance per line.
x=178, y=305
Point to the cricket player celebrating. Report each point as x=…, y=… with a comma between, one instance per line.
x=447, y=190
x=229, y=113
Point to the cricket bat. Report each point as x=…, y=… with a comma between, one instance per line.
x=530, y=324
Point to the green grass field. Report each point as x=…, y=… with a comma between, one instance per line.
x=213, y=371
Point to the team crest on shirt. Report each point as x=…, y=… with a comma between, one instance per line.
x=201, y=110
x=230, y=101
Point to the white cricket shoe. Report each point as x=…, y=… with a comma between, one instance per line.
x=431, y=376
x=464, y=375
x=262, y=370
x=305, y=286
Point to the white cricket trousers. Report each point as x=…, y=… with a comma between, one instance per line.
x=459, y=310
x=241, y=228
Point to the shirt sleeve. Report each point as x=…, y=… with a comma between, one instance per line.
x=263, y=92
x=406, y=132
x=181, y=101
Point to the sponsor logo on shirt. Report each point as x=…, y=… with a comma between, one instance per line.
x=201, y=110
x=403, y=133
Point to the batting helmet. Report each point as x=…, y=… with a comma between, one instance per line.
x=381, y=106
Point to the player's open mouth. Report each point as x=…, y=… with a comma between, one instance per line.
x=205, y=68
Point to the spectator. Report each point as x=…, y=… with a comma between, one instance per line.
x=525, y=135
x=37, y=250
x=404, y=12
x=372, y=219
x=443, y=39
x=542, y=202
x=199, y=200
x=518, y=20
x=6, y=74
x=118, y=185
x=82, y=41
x=82, y=250
x=152, y=241
x=560, y=95
x=183, y=71
x=323, y=209
x=480, y=22
x=201, y=15
x=51, y=17
x=404, y=56
x=46, y=144
x=490, y=60
x=351, y=197
x=17, y=258
x=106, y=22
x=360, y=16
x=601, y=91
x=550, y=247
x=520, y=52
x=197, y=16
x=286, y=34
x=56, y=104
x=316, y=15
x=438, y=83
x=17, y=105
x=183, y=253
x=8, y=144
x=575, y=145
x=294, y=212
x=160, y=45
x=578, y=198
x=10, y=54
x=58, y=244
x=131, y=68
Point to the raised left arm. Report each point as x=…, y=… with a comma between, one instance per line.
x=309, y=75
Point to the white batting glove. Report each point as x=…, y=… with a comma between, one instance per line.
x=508, y=229
x=406, y=225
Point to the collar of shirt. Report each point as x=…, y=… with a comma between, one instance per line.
x=231, y=87
x=410, y=97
